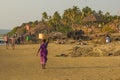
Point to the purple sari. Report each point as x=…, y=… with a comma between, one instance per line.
x=43, y=53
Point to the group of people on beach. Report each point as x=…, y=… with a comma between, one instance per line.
x=15, y=39
x=9, y=41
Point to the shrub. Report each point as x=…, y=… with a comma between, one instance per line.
x=108, y=29
x=13, y=31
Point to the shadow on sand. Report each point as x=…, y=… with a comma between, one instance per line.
x=88, y=67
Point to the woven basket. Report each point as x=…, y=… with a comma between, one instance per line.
x=42, y=36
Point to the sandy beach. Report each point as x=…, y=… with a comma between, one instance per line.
x=23, y=64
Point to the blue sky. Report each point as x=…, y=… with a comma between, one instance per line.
x=15, y=12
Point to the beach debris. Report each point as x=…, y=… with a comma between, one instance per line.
x=97, y=51
x=62, y=55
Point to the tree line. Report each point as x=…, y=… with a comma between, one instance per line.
x=70, y=18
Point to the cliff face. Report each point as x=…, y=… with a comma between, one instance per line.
x=33, y=29
x=40, y=27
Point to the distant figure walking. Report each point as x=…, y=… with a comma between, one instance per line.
x=13, y=42
x=6, y=41
x=108, y=39
x=43, y=52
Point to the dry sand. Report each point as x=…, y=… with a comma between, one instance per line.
x=22, y=64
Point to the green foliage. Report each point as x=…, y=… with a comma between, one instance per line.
x=64, y=29
x=70, y=18
x=56, y=20
x=44, y=16
x=108, y=29
x=13, y=31
x=22, y=30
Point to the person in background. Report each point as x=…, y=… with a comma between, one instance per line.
x=6, y=41
x=22, y=39
x=43, y=52
x=108, y=39
x=13, y=42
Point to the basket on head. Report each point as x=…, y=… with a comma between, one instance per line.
x=42, y=36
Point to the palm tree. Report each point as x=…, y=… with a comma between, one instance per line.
x=75, y=17
x=56, y=19
x=100, y=12
x=86, y=11
x=72, y=16
x=44, y=17
x=107, y=17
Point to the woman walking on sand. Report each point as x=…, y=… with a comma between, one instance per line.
x=42, y=51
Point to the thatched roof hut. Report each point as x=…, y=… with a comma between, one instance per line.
x=93, y=18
